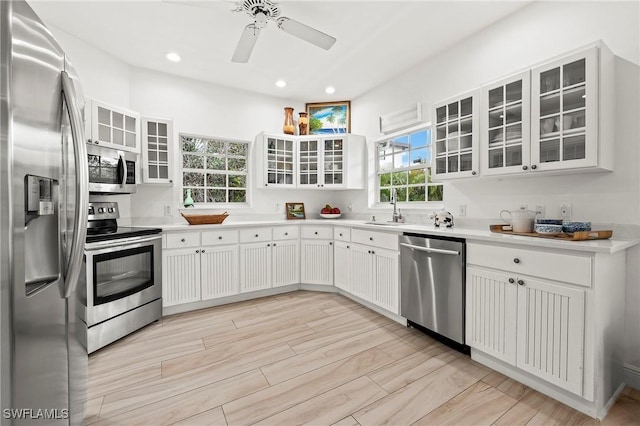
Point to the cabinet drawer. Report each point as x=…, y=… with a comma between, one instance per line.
x=317, y=232
x=342, y=234
x=286, y=232
x=253, y=235
x=223, y=236
x=182, y=239
x=376, y=239
x=553, y=264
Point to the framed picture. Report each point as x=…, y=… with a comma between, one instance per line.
x=329, y=117
x=295, y=211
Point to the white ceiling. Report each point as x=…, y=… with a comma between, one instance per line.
x=376, y=40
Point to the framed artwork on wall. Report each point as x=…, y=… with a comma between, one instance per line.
x=328, y=118
x=295, y=211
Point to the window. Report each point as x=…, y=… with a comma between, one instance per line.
x=214, y=170
x=404, y=164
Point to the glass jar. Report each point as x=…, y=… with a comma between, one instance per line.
x=289, y=127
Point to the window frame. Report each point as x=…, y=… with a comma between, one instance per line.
x=248, y=180
x=374, y=195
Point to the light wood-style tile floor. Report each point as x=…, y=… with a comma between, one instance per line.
x=308, y=357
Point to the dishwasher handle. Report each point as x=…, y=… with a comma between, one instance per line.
x=431, y=250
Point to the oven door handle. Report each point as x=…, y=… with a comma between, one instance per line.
x=122, y=169
x=431, y=250
x=74, y=266
x=120, y=243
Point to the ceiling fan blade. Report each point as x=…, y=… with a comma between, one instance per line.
x=245, y=44
x=306, y=33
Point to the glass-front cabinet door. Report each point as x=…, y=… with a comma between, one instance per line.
x=505, y=135
x=456, y=137
x=333, y=162
x=321, y=162
x=279, y=162
x=565, y=113
x=157, y=146
x=112, y=126
x=309, y=162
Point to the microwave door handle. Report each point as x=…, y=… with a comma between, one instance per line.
x=122, y=169
x=74, y=267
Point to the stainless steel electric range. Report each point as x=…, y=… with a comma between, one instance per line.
x=123, y=273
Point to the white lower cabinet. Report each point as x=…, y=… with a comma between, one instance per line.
x=196, y=273
x=272, y=262
x=532, y=323
x=375, y=275
x=316, y=261
x=180, y=276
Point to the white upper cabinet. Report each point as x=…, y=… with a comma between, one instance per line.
x=112, y=126
x=565, y=117
x=311, y=162
x=505, y=136
x=157, y=150
x=456, y=137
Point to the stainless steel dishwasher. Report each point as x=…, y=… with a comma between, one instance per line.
x=432, y=276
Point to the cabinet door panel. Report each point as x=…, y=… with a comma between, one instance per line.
x=342, y=265
x=286, y=261
x=219, y=271
x=551, y=332
x=255, y=266
x=317, y=262
x=361, y=278
x=491, y=313
x=385, y=274
x=180, y=276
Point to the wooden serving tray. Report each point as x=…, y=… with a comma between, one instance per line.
x=576, y=236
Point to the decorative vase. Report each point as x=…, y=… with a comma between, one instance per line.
x=289, y=127
x=303, y=124
x=188, y=201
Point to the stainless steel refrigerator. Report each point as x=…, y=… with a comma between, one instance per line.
x=43, y=202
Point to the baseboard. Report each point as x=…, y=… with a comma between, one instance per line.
x=632, y=375
x=602, y=413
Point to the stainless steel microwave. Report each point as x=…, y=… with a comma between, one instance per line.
x=112, y=171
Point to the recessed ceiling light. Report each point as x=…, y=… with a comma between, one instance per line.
x=330, y=90
x=281, y=83
x=173, y=57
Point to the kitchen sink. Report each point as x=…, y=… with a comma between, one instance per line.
x=384, y=223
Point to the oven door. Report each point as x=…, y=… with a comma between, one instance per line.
x=111, y=171
x=122, y=275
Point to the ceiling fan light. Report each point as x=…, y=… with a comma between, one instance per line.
x=281, y=83
x=330, y=90
x=173, y=57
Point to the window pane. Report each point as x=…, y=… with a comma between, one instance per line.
x=416, y=176
x=237, y=196
x=216, y=180
x=192, y=145
x=435, y=193
x=193, y=179
x=238, y=164
x=402, y=194
x=418, y=157
x=399, y=178
x=416, y=193
x=197, y=195
x=216, y=196
x=385, y=180
x=215, y=147
x=215, y=163
x=192, y=161
x=237, y=149
x=385, y=195
x=239, y=181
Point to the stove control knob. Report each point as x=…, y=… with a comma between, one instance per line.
x=90, y=211
x=100, y=209
x=110, y=209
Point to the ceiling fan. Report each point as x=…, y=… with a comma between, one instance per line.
x=264, y=10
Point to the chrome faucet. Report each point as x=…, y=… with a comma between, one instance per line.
x=394, y=200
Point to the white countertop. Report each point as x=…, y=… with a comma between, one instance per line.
x=611, y=245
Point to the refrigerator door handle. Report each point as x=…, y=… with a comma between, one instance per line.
x=74, y=267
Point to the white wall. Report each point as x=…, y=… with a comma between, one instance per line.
x=536, y=33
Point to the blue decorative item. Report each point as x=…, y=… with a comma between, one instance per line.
x=188, y=201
